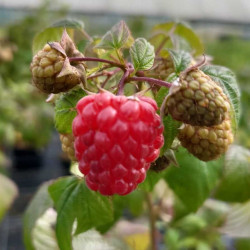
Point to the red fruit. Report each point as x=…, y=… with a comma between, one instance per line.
x=116, y=139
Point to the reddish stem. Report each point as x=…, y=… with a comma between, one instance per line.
x=151, y=80
x=122, y=82
x=94, y=59
x=97, y=75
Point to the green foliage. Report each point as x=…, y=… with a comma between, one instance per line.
x=179, y=31
x=65, y=110
x=118, y=37
x=226, y=78
x=193, y=181
x=37, y=207
x=54, y=33
x=235, y=181
x=150, y=181
x=74, y=201
x=142, y=54
x=170, y=132
x=69, y=23
x=181, y=59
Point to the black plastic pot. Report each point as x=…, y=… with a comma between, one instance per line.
x=27, y=158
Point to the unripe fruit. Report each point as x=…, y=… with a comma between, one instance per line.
x=116, y=139
x=197, y=100
x=206, y=143
x=46, y=66
x=67, y=141
x=162, y=68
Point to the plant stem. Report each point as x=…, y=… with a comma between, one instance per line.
x=122, y=82
x=151, y=80
x=86, y=35
x=151, y=220
x=94, y=59
x=96, y=75
x=161, y=45
x=105, y=81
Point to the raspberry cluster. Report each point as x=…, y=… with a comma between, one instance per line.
x=116, y=139
x=202, y=106
x=206, y=143
x=198, y=100
x=46, y=67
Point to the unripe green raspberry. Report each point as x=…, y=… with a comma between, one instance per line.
x=197, y=100
x=46, y=66
x=206, y=143
x=67, y=141
x=162, y=68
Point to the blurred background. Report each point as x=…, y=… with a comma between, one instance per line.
x=30, y=150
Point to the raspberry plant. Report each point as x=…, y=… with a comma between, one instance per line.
x=129, y=111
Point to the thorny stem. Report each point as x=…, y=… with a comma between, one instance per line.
x=151, y=220
x=94, y=59
x=151, y=80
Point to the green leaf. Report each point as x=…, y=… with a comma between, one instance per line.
x=65, y=110
x=183, y=31
x=151, y=180
x=170, y=125
x=135, y=202
x=8, y=192
x=235, y=183
x=171, y=129
x=172, y=238
x=69, y=23
x=181, y=59
x=193, y=181
x=142, y=54
x=39, y=204
x=226, y=78
x=54, y=33
x=118, y=37
x=74, y=201
x=161, y=94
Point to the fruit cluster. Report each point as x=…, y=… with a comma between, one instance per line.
x=116, y=139
x=202, y=106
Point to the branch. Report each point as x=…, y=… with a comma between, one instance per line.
x=122, y=82
x=151, y=81
x=151, y=220
x=94, y=59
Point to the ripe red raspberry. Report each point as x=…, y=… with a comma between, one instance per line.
x=116, y=139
